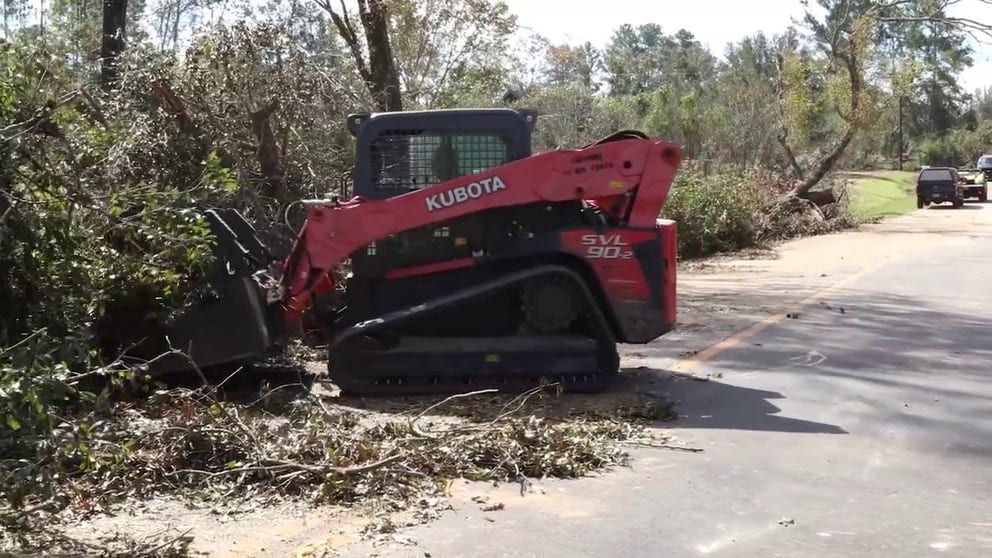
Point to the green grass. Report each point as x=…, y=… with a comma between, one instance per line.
x=876, y=194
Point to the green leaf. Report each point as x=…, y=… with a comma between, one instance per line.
x=13, y=423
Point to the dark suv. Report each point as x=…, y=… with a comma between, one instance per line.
x=939, y=185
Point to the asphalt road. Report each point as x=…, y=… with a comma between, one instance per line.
x=862, y=427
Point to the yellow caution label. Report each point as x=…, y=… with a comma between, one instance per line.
x=461, y=241
x=616, y=183
x=492, y=358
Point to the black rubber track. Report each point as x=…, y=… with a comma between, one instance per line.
x=350, y=366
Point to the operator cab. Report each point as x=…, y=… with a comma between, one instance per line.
x=400, y=152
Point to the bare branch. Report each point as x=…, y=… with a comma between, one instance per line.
x=347, y=32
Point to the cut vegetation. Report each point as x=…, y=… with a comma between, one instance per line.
x=288, y=445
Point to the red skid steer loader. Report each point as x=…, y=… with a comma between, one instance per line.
x=472, y=262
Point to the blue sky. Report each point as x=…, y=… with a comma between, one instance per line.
x=714, y=22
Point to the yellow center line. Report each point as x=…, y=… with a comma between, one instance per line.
x=701, y=358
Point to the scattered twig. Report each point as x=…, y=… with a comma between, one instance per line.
x=168, y=542
x=450, y=399
x=327, y=469
x=663, y=446
x=433, y=435
x=26, y=339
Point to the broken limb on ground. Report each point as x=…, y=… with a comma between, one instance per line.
x=302, y=447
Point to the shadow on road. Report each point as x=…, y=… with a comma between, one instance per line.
x=711, y=403
x=967, y=205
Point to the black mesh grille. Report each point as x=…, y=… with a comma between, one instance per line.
x=413, y=159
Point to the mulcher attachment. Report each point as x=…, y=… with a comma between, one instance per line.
x=231, y=322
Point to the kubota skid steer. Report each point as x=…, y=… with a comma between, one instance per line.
x=473, y=262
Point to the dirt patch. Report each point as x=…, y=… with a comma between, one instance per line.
x=224, y=530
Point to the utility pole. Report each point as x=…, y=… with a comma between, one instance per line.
x=900, y=133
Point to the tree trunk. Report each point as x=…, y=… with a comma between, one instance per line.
x=822, y=197
x=112, y=45
x=852, y=64
x=176, y=106
x=783, y=136
x=379, y=72
x=268, y=151
x=802, y=189
x=783, y=140
x=385, y=78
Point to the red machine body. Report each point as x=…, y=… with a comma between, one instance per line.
x=629, y=177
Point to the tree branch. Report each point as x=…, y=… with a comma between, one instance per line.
x=343, y=24
x=267, y=150
x=783, y=136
